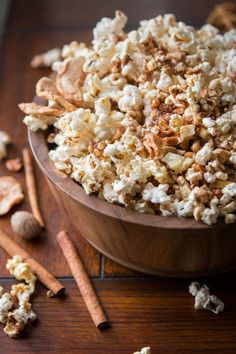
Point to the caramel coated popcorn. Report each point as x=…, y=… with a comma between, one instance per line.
x=204, y=300
x=147, y=119
x=15, y=307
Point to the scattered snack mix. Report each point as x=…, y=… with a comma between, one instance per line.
x=15, y=308
x=203, y=299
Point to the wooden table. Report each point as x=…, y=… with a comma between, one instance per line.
x=143, y=310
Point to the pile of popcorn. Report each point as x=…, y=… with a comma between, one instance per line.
x=146, y=119
x=15, y=307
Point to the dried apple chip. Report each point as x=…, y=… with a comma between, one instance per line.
x=46, y=88
x=70, y=79
x=10, y=193
x=38, y=111
x=152, y=143
x=63, y=102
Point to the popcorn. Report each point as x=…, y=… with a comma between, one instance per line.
x=143, y=207
x=176, y=122
x=193, y=176
x=177, y=162
x=209, y=177
x=6, y=304
x=75, y=49
x=229, y=192
x=232, y=159
x=131, y=99
x=146, y=119
x=36, y=123
x=204, y=155
x=210, y=215
x=145, y=350
x=221, y=175
x=15, y=318
x=228, y=208
x=21, y=271
x=156, y=194
x=79, y=124
x=203, y=299
x=164, y=82
x=230, y=218
x=18, y=318
x=103, y=107
x=183, y=209
x=107, y=26
x=46, y=59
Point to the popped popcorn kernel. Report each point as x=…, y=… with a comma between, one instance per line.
x=203, y=299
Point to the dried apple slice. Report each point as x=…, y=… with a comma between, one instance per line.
x=10, y=193
x=38, y=111
x=46, y=88
x=70, y=79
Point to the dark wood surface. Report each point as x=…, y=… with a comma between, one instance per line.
x=143, y=310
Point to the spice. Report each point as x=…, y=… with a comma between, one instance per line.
x=31, y=186
x=25, y=225
x=46, y=278
x=82, y=280
x=14, y=165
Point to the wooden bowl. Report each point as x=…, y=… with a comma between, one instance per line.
x=152, y=244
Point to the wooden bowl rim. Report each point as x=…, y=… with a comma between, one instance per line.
x=39, y=148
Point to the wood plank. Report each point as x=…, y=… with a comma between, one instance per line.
x=157, y=312
x=113, y=269
x=17, y=85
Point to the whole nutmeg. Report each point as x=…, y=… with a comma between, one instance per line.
x=25, y=224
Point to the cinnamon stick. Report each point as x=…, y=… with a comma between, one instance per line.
x=46, y=278
x=82, y=280
x=31, y=185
